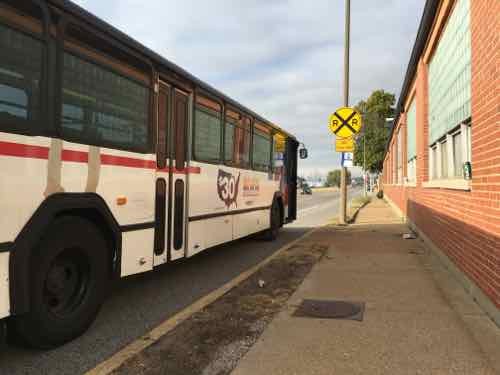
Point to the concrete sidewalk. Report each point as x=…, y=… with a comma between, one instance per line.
x=418, y=319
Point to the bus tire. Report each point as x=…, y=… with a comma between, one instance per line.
x=68, y=284
x=275, y=222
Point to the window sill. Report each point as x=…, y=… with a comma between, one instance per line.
x=455, y=184
x=411, y=184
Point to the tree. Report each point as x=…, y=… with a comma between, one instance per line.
x=333, y=178
x=374, y=110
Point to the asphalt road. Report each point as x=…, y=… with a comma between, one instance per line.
x=139, y=303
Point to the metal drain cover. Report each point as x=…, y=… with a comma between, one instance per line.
x=311, y=308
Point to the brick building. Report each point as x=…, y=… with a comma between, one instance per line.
x=442, y=161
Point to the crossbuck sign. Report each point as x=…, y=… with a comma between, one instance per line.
x=345, y=122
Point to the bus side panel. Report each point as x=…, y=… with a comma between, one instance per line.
x=251, y=222
x=24, y=181
x=4, y=285
x=125, y=180
x=204, y=200
x=216, y=194
x=137, y=253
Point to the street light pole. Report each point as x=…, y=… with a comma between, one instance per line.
x=343, y=175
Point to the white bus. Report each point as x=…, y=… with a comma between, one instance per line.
x=114, y=161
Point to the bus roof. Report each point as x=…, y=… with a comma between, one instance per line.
x=104, y=27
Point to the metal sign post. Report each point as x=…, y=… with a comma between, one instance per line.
x=343, y=175
x=345, y=123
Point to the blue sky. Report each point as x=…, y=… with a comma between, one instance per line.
x=281, y=58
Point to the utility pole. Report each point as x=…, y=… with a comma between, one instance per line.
x=364, y=163
x=343, y=175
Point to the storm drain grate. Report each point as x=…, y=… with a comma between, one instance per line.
x=311, y=308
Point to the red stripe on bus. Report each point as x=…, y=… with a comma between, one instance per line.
x=124, y=161
x=42, y=152
x=23, y=151
x=75, y=156
x=188, y=170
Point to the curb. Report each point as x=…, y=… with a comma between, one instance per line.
x=352, y=217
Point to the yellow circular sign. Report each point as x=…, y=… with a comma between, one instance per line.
x=345, y=122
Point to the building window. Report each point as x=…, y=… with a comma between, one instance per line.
x=450, y=96
x=399, y=158
x=433, y=160
x=207, y=131
x=411, y=143
x=447, y=156
x=20, y=76
x=103, y=108
x=394, y=163
x=444, y=159
x=411, y=170
x=457, y=154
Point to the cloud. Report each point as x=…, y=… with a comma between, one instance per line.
x=281, y=58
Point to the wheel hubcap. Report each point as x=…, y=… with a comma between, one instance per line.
x=66, y=283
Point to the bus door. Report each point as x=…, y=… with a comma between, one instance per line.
x=171, y=182
x=178, y=173
x=291, y=178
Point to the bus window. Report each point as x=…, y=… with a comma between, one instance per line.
x=207, y=130
x=237, y=140
x=103, y=108
x=278, y=151
x=261, y=148
x=20, y=75
x=232, y=119
x=243, y=138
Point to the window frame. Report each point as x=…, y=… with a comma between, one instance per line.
x=41, y=126
x=221, y=124
x=80, y=53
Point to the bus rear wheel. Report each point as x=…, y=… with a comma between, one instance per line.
x=69, y=275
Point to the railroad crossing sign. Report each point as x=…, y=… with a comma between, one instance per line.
x=344, y=144
x=345, y=122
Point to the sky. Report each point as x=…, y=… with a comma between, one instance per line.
x=281, y=58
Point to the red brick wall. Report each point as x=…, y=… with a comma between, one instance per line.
x=465, y=224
